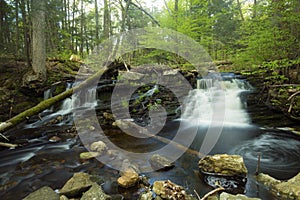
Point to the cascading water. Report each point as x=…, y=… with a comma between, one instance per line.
x=199, y=106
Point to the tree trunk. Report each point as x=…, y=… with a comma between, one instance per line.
x=17, y=29
x=106, y=23
x=38, y=39
x=81, y=30
x=26, y=34
x=240, y=10
x=97, y=40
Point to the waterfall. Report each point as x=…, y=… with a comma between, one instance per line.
x=209, y=102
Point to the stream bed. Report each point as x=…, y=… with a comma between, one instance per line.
x=45, y=160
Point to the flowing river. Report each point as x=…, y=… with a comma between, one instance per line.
x=219, y=129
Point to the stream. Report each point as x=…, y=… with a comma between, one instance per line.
x=46, y=160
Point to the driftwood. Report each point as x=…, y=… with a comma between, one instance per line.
x=210, y=193
x=49, y=102
x=2, y=144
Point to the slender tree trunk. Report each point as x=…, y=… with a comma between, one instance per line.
x=254, y=8
x=26, y=34
x=38, y=39
x=17, y=29
x=81, y=30
x=97, y=24
x=106, y=22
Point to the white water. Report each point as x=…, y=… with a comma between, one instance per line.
x=216, y=102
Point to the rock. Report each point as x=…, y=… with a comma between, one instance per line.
x=108, y=116
x=146, y=196
x=267, y=180
x=79, y=183
x=223, y=164
x=169, y=190
x=289, y=189
x=95, y=192
x=88, y=155
x=226, y=196
x=170, y=72
x=63, y=197
x=99, y=147
x=55, y=139
x=44, y=193
x=128, y=179
x=159, y=162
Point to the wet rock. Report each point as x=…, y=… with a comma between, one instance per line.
x=129, y=175
x=267, y=180
x=159, y=162
x=95, y=192
x=146, y=196
x=88, y=155
x=79, y=183
x=128, y=179
x=63, y=197
x=226, y=196
x=289, y=189
x=108, y=116
x=44, y=193
x=223, y=164
x=169, y=190
x=55, y=139
x=99, y=147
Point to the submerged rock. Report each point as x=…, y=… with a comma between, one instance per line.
x=223, y=164
x=226, y=196
x=95, y=192
x=289, y=189
x=44, y=193
x=148, y=195
x=79, y=183
x=159, y=162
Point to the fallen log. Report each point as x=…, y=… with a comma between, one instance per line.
x=12, y=146
x=49, y=102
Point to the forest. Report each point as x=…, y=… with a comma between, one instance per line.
x=158, y=99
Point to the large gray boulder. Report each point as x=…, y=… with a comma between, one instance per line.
x=223, y=164
x=95, y=192
x=79, y=183
x=44, y=193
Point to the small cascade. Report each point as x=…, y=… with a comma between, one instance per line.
x=66, y=106
x=213, y=99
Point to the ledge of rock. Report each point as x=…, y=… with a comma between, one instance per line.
x=226, y=196
x=79, y=183
x=289, y=189
x=43, y=193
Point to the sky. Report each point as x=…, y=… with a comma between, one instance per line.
x=155, y=3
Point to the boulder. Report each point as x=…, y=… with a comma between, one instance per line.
x=63, y=197
x=133, y=76
x=79, y=183
x=99, y=147
x=44, y=193
x=159, y=162
x=169, y=190
x=128, y=179
x=267, y=180
x=226, y=196
x=95, y=192
x=289, y=189
x=129, y=174
x=223, y=164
